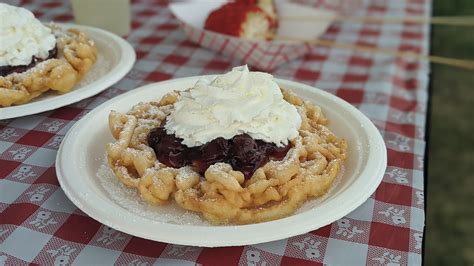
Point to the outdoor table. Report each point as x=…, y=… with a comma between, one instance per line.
x=38, y=224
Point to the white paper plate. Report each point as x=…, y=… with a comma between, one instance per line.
x=83, y=150
x=115, y=59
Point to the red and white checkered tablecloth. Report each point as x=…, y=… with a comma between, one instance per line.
x=38, y=224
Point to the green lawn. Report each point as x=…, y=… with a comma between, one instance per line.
x=450, y=196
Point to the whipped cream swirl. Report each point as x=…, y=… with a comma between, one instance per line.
x=22, y=36
x=237, y=102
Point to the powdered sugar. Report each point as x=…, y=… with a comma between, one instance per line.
x=312, y=203
x=185, y=173
x=130, y=199
x=41, y=66
x=99, y=69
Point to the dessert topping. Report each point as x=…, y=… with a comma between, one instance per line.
x=238, y=102
x=23, y=37
x=242, y=152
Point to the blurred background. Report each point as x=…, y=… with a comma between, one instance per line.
x=449, y=238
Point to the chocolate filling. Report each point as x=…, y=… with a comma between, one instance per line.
x=242, y=152
x=7, y=70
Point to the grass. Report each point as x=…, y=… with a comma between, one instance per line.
x=450, y=195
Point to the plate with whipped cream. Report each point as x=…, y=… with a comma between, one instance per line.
x=232, y=159
x=47, y=66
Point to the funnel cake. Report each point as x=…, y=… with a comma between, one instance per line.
x=76, y=54
x=222, y=194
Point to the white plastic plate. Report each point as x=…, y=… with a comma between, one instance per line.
x=115, y=59
x=83, y=150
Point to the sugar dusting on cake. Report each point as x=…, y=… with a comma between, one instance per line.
x=129, y=199
x=98, y=70
x=312, y=203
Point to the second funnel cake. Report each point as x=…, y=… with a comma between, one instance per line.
x=35, y=58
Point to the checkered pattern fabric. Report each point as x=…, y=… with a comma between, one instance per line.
x=38, y=224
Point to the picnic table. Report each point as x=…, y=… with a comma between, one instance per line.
x=39, y=225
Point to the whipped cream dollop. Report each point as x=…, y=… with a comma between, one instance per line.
x=22, y=36
x=237, y=102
